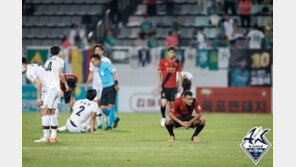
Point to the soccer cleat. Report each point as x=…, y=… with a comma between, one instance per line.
x=172, y=138
x=99, y=126
x=162, y=121
x=108, y=128
x=194, y=139
x=53, y=140
x=42, y=140
x=115, y=123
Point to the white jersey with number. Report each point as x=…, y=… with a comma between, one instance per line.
x=255, y=39
x=53, y=65
x=97, y=82
x=82, y=111
x=47, y=79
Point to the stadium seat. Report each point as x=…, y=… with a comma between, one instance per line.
x=134, y=21
x=188, y=20
x=134, y=32
x=141, y=9
x=75, y=20
x=201, y=21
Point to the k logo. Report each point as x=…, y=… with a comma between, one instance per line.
x=255, y=144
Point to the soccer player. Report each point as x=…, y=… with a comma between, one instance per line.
x=55, y=65
x=186, y=82
x=94, y=77
x=110, y=87
x=181, y=115
x=167, y=85
x=84, y=111
x=51, y=95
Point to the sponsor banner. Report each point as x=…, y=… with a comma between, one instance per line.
x=235, y=100
x=250, y=67
x=29, y=96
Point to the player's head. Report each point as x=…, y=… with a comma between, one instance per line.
x=171, y=51
x=99, y=49
x=24, y=64
x=200, y=29
x=188, y=98
x=55, y=50
x=226, y=17
x=95, y=59
x=71, y=82
x=91, y=94
x=186, y=84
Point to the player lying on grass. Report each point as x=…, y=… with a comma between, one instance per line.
x=181, y=115
x=84, y=111
x=51, y=94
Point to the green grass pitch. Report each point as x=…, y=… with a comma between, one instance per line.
x=139, y=140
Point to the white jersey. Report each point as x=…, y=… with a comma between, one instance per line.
x=188, y=75
x=47, y=79
x=201, y=38
x=82, y=111
x=53, y=65
x=97, y=83
x=223, y=58
x=255, y=39
x=228, y=27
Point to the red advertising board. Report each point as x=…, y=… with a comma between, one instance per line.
x=235, y=100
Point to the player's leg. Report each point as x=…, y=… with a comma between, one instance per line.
x=163, y=103
x=45, y=121
x=199, y=124
x=71, y=127
x=55, y=95
x=170, y=127
x=99, y=115
x=111, y=102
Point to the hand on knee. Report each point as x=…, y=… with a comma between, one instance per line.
x=168, y=121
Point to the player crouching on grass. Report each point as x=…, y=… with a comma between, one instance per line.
x=181, y=115
x=84, y=110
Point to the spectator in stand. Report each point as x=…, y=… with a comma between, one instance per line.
x=77, y=42
x=201, y=39
x=140, y=42
x=268, y=40
x=177, y=24
x=93, y=42
x=212, y=7
x=65, y=42
x=230, y=29
x=229, y=4
x=72, y=34
x=245, y=12
x=83, y=35
x=255, y=38
x=172, y=39
x=109, y=40
x=152, y=42
x=146, y=27
x=115, y=14
x=151, y=7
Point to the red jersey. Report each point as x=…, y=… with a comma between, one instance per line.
x=169, y=71
x=66, y=76
x=180, y=109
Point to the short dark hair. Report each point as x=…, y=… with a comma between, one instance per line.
x=24, y=60
x=55, y=50
x=91, y=94
x=173, y=48
x=100, y=46
x=96, y=56
x=188, y=93
x=71, y=82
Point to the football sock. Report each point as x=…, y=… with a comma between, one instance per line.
x=106, y=112
x=170, y=129
x=199, y=127
x=63, y=128
x=106, y=120
x=162, y=109
x=112, y=117
x=45, y=124
x=99, y=117
x=53, y=125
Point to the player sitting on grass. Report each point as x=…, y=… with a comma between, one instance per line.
x=84, y=110
x=181, y=115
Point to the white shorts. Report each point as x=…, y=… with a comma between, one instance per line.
x=99, y=92
x=71, y=128
x=51, y=99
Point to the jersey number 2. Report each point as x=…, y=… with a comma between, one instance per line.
x=81, y=109
x=49, y=66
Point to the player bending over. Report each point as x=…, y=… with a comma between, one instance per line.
x=167, y=84
x=84, y=111
x=181, y=115
x=49, y=100
x=69, y=95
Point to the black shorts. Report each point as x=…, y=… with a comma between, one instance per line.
x=108, y=96
x=169, y=93
x=183, y=119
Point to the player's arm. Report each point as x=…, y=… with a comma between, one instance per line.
x=89, y=79
x=92, y=122
x=159, y=74
x=198, y=112
x=116, y=84
x=38, y=86
x=234, y=28
x=180, y=81
x=173, y=117
x=196, y=117
x=61, y=76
